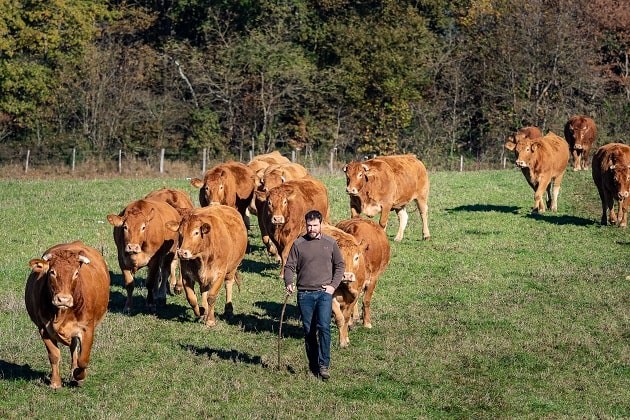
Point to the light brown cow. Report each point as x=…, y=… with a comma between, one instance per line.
x=377, y=256
x=67, y=293
x=231, y=184
x=143, y=241
x=521, y=134
x=389, y=183
x=273, y=176
x=580, y=132
x=258, y=165
x=543, y=161
x=212, y=244
x=611, y=174
x=179, y=200
x=354, y=277
x=284, y=209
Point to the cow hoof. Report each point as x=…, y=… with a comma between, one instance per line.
x=397, y=239
x=426, y=238
x=367, y=325
x=211, y=324
x=178, y=290
x=344, y=344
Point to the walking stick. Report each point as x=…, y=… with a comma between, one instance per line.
x=284, y=306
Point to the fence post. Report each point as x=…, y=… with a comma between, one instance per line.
x=28, y=155
x=331, y=165
x=251, y=154
x=120, y=161
x=162, y=160
x=461, y=163
x=293, y=156
x=74, y=157
x=203, y=160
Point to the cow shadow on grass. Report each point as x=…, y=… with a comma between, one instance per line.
x=486, y=208
x=14, y=372
x=232, y=355
x=170, y=311
x=258, y=267
x=268, y=321
x=560, y=220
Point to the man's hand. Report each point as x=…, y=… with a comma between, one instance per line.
x=329, y=289
x=290, y=288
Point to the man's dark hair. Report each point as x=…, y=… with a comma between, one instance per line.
x=312, y=215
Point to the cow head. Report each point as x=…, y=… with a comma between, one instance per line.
x=213, y=188
x=278, y=200
x=353, y=254
x=272, y=179
x=525, y=152
x=192, y=231
x=579, y=128
x=356, y=177
x=62, y=270
x=135, y=223
x=620, y=174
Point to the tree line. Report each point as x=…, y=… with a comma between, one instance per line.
x=433, y=77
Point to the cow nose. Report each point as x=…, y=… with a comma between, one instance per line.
x=133, y=249
x=623, y=194
x=184, y=254
x=352, y=190
x=348, y=277
x=277, y=220
x=63, y=300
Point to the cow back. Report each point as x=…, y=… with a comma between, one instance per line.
x=378, y=252
x=175, y=198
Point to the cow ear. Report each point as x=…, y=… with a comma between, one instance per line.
x=38, y=265
x=151, y=214
x=365, y=167
x=510, y=145
x=205, y=228
x=115, y=220
x=172, y=226
x=534, y=146
x=283, y=179
x=345, y=168
x=196, y=182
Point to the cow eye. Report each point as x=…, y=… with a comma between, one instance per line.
x=221, y=187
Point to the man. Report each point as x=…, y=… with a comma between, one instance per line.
x=317, y=261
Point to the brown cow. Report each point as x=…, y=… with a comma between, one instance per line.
x=273, y=176
x=231, y=184
x=67, y=293
x=212, y=244
x=389, y=183
x=580, y=132
x=543, y=162
x=284, y=209
x=611, y=174
x=521, y=134
x=261, y=162
x=179, y=200
x=354, y=276
x=143, y=241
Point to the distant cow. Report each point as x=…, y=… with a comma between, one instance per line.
x=67, y=293
x=611, y=174
x=543, y=161
x=284, y=209
x=377, y=256
x=212, y=243
x=580, y=132
x=143, y=241
x=389, y=183
x=521, y=134
x=231, y=184
x=179, y=200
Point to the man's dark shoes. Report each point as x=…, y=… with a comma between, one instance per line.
x=324, y=373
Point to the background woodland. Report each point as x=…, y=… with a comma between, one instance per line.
x=432, y=77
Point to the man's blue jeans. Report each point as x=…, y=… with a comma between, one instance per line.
x=316, y=310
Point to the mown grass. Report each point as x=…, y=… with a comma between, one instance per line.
x=500, y=314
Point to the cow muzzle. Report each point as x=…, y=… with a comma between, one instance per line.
x=277, y=220
x=521, y=164
x=352, y=191
x=184, y=254
x=63, y=301
x=133, y=249
x=622, y=195
x=348, y=277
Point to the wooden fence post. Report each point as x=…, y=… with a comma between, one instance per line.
x=28, y=156
x=74, y=157
x=162, y=160
x=203, y=160
x=120, y=161
x=461, y=163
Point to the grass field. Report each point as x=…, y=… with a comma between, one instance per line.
x=501, y=314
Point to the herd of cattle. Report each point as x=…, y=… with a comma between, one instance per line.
x=67, y=292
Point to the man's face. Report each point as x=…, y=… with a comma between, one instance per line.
x=313, y=228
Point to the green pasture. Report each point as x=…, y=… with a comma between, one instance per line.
x=501, y=314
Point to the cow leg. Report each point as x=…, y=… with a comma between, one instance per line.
x=403, y=217
x=54, y=355
x=82, y=351
x=384, y=216
x=191, y=297
x=128, y=279
x=423, y=207
x=367, y=300
x=539, y=202
x=165, y=273
x=211, y=298
x=610, y=210
x=176, y=278
x=623, y=213
x=556, y=191
x=576, y=159
x=355, y=206
x=229, y=285
x=152, y=283
x=341, y=324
